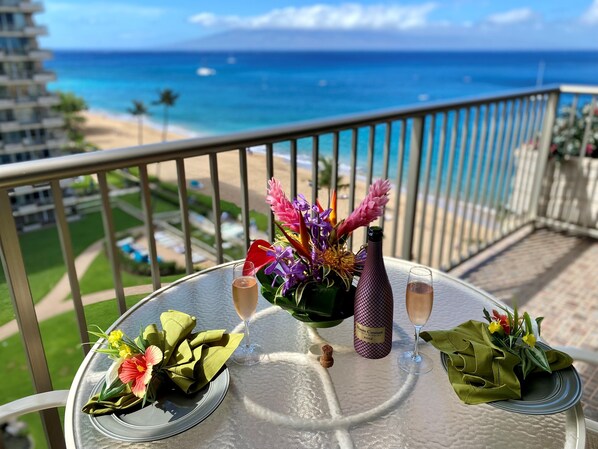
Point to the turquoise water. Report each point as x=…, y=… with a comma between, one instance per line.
x=255, y=90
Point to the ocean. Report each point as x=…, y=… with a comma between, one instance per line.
x=223, y=92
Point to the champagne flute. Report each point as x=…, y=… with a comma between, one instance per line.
x=419, y=298
x=245, y=301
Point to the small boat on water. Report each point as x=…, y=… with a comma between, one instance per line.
x=206, y=71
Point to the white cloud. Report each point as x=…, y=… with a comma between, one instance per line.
x=591, y=15
x=349, y=16
x=510, y=17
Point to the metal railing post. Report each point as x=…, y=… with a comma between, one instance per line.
x=111, y=249
x=415, y=150
x=244, y=196
x=543, y=150
x=64, y=236
x=146, y=203
x=22, y=301
x=184, y=206
x=216, y=210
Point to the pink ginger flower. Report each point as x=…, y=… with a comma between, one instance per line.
x=138, y=369
x=283, y=209
x=371, y=207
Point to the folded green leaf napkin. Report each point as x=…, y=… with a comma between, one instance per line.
x=479, y=370
x=190, y=360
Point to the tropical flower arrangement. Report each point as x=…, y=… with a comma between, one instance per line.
x=516, y=334
x=173, y=358
x=309, y=270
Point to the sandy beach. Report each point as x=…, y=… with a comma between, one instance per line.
x=108, y=132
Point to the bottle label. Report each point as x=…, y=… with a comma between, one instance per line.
x=369, y=334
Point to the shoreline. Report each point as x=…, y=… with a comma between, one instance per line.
x=108, y=131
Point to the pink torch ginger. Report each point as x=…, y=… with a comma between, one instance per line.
x=282, y=208
x=371, y=208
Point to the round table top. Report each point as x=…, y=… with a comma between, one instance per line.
x=289, y=400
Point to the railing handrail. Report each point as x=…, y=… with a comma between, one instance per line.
x=34, y=172
x=578, y=89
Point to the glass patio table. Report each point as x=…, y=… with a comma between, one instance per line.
x=289, y=400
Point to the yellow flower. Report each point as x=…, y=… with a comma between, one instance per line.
x=494, y=326
x=115, y=337
x=530, y=339
x=124, y=351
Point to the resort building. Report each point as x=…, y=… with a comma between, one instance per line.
x=29, y=129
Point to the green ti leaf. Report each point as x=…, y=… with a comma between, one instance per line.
x=539, y=324
x=536, y=358
x=107, y=393
x=529, y=329
x=487, y=316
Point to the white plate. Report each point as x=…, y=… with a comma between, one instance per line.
x=541, y=393
x=172, y=413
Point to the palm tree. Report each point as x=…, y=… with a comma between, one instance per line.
x=71, y=107
x=139, y=110
x=167, y=98
x=325, y=175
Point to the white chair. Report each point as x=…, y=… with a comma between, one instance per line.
x=590, y=357
x=33, y=403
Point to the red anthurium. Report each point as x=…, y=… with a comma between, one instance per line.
x=258, y=254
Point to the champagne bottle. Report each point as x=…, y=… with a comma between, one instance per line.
x=372, y=331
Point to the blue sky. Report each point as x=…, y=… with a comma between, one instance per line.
x=147, y=24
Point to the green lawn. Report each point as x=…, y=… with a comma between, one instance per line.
x=43, y=257
x=159, y=205
x=63, y=352
x=98, y=277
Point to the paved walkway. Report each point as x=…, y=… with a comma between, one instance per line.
x=56, y=302
x=552, y=275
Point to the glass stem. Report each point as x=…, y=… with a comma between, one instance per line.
x=416, y=347
x=247, y=342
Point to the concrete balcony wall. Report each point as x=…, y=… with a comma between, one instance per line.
x=31, y=7
x=38, y=30
x=10, y=126
x=13, y=148
x=39, y=54
x=53, y=122
x=48, y=101
x=44, y=77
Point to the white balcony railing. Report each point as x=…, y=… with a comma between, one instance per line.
x=39, y=54
x=53, y=122
x=12, y=125
x=466, y=174
x=31, y=7
x=36, y=30
x=44, y=77
x=49, y=100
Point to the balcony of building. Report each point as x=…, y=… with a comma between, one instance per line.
x=26, y=77
x=23, y=31
x=478, y=190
